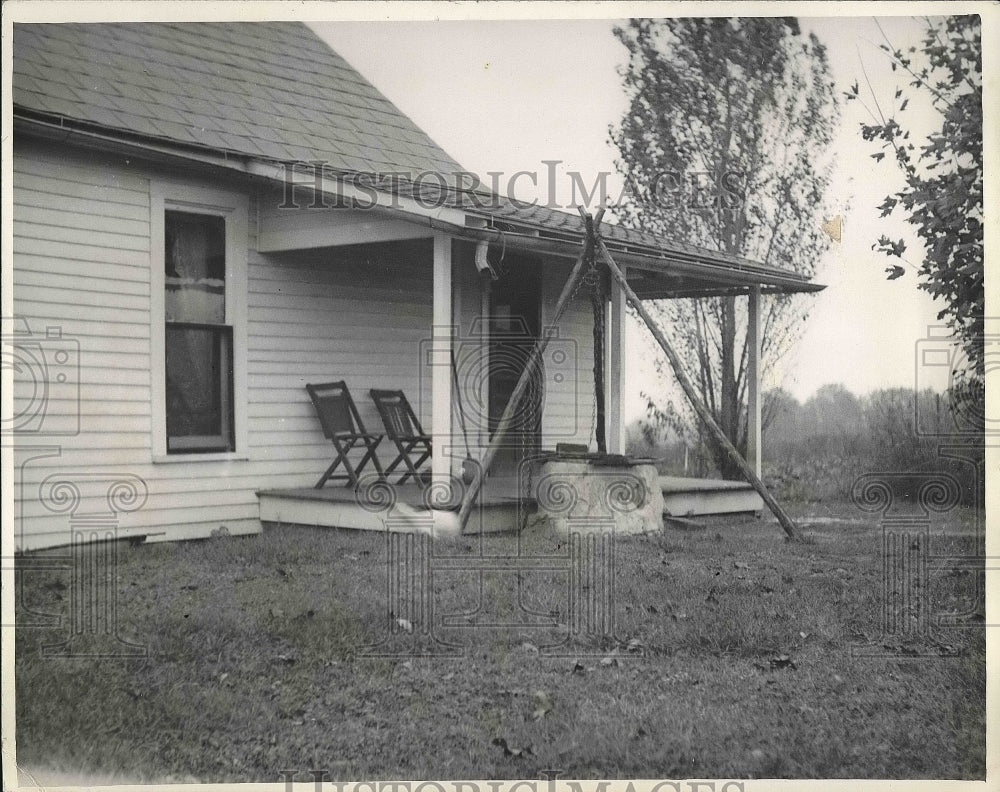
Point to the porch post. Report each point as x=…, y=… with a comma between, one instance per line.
x=442, y=332
x=753, y=381
x=613, y=381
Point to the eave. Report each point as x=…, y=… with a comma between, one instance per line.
x=659, y=273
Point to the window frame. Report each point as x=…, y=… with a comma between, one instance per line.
x=233, y=206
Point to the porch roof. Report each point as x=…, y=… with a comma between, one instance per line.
x=273, y=92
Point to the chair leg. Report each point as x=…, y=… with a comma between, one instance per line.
x=371, y=445
x=329, y=471
x=395, y=463
x=410, y=467
x=352, y=472
x=375, y=462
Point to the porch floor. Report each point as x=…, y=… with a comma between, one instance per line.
x=408, y=494
x=498, y=508
x=406, y=510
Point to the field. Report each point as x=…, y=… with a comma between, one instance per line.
x=733, y=654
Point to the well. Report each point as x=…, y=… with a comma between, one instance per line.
x=591, y=493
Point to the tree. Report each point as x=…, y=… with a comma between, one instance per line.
x=726, y=123
x=943, y=192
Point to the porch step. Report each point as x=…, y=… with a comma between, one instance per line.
x=689, y=497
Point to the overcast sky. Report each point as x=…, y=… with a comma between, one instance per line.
x=507, y=95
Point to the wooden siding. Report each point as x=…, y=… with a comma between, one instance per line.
x=81, y=241
x=358, y=313
x=339, y=314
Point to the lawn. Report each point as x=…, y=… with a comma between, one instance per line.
x=734, y=654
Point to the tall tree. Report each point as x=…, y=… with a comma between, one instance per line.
x=728, y=123
x=943, y=193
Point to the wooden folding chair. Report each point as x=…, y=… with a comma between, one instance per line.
x=341, y=424
x=403, y=428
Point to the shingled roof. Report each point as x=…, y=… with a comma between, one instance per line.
x=271, y=91
x=268, y=89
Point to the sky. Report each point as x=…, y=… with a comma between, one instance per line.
x=507, y=96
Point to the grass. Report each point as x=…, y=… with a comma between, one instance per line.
x=740, y=664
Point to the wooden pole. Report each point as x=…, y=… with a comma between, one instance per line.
x=575, y=276
x=597, y=310
x=754, y=423
x=689, y=391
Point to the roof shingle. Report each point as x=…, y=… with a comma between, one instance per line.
x=197, y=83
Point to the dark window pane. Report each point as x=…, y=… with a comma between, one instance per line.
x=199, y=388
x=195, y=268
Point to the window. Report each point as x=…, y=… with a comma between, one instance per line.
x=199, y=343
x=198, y=333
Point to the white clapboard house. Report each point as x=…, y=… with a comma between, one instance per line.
x=183, y=268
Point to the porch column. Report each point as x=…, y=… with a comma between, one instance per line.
x=753, y=381
x=613, y=381
x=442, y=332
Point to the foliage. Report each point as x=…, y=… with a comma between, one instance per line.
x=727, y=121
x=943, y=194
x=816, y=450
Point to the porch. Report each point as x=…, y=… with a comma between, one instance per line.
x=483, y=299
x=409, y=508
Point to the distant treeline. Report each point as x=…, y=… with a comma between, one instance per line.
x=816, y=450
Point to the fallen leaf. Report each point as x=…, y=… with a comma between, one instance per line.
x=511, y=751
x=542, y=702
x=609, y=661
x=277, y=613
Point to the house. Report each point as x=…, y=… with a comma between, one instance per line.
x=200, y=231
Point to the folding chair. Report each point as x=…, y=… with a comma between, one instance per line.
x=342, y=424
x=403, y=428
